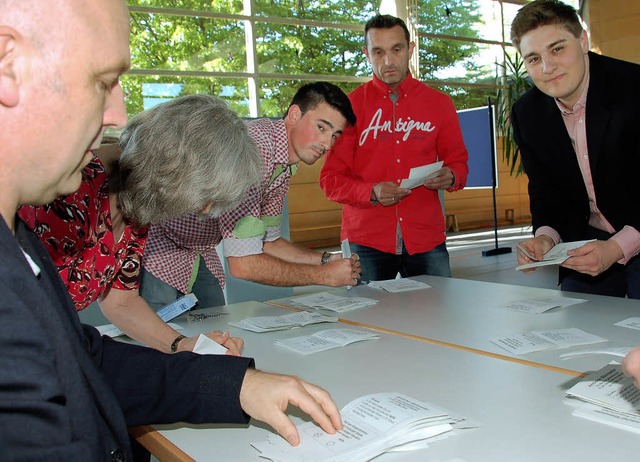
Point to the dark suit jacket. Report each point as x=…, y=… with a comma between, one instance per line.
x=556, y=189
x=68, y=394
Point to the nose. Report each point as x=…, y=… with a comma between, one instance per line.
x=115, y=113
x=327, y=142
x=548, y=65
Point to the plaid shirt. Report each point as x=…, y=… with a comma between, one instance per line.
x=173, y=246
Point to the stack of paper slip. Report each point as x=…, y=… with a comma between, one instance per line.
x=325, y=340
x=540, y=305
x=287, y=321
x=607, y=396
x=556, y=256
x=333, y=302
x=399, y=285
x=373, y=425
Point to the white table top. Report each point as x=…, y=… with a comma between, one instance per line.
x=469, y=313
x=519, y=408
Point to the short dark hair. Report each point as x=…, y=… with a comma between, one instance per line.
x=310, y=95
x=385, y=21
x=544, y=13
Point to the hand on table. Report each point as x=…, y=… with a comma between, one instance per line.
x=266, y=396
x=234, y=345
x=631, y=365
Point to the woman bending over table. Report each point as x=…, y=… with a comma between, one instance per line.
x=189, y=155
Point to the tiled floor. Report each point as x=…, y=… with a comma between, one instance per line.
x=468, y=262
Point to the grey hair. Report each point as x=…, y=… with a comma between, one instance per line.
x=182, y=155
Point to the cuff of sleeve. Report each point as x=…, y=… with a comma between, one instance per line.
x=628, y=238
x=550, y=232
x=242, y=247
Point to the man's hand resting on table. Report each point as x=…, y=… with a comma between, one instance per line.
x=631, y=365
x=234, y=345
x=266, y=396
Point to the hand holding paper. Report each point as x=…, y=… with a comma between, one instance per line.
x=555, y=256
x=418, y=175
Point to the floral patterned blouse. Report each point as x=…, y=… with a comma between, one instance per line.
x=77, y=232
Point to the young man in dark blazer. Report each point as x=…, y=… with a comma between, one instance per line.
x=579, y=133
x=67, y=394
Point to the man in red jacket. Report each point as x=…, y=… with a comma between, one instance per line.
x=401, y=124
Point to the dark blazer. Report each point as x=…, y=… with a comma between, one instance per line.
x=67, y=394
x=557, y=193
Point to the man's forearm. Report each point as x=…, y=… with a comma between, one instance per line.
x=292, y=253
x=273, y=271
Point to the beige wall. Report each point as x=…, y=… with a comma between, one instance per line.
x=614, y=27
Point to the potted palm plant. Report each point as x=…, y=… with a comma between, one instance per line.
x=516, y=83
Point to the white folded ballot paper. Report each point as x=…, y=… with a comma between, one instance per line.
x=417, y=175
x=556, y=256
x=324, y=340
x=373, y=424
x=537, y=340
x=399, y=285
x=333, y=302
x=607, y=396
x=286, y=321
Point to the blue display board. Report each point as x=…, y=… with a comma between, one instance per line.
x=479, y=137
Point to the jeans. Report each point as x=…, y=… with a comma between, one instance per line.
x=158, y=294
x=617, y=281
x=380, y=266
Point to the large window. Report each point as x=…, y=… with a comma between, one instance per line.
x=256, y=53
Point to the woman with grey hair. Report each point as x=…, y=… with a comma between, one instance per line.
x=189, y=155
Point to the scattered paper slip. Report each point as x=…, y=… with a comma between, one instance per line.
x=539, y=340
x=324, y=340
x=630, y=323
x=206, y=346
x=373, y=424
x=333, y=302
x=540, y=305
x=112, y=331
x=287, y=321
x=621, y=352
x=418, y=175
x=175, y=309
x=607, y=396
x=399, y=285
x=556, y=256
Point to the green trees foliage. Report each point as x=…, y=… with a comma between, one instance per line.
x=188, y=46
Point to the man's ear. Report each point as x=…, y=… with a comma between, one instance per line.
x=294, y=113
x=9, y=94
x=366, y=53
x=584, y=42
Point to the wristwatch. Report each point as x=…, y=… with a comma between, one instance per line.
x=174, y=344
x=325, y=258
